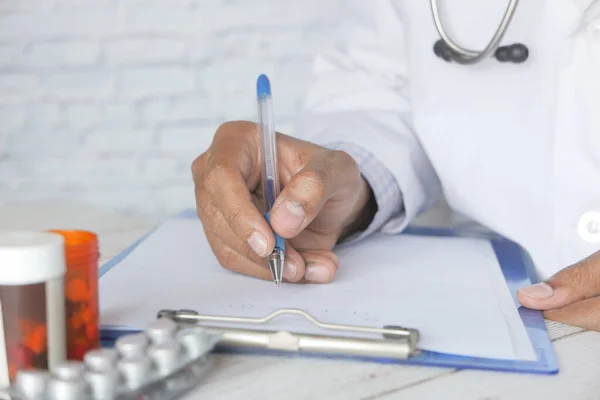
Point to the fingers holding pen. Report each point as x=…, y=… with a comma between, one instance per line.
x=222, y=197
x=237, y=255
x=238, y=232
x=302, y=266
x=304, y=196
x=312, y=266
x=299, y=202
x=233, y=260
x=320, y=265
x=236, y=261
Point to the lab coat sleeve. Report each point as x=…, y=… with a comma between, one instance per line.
x=359, y=102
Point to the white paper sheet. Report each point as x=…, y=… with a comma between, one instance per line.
x=451, y=289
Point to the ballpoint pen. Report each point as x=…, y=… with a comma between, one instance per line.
x=270, y=177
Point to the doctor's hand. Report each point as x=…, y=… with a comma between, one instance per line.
x=572, y=296
x=323, y=197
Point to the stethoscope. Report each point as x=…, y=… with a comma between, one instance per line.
x=447, y=50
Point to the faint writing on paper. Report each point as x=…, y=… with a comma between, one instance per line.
x=241, y=306
x=361, y=314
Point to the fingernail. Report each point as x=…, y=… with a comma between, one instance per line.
x=538, y=291
x=258, y=243
x=289, y=271
x=290, y=216
x=317, y=273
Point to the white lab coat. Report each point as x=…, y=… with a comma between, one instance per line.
x=514, y=147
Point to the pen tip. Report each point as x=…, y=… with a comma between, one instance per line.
x=276, y=267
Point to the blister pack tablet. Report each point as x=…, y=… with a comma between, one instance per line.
x=163, y=362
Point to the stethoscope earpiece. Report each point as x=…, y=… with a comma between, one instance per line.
x=447, y=50
x=515, y=53
x=441, y=49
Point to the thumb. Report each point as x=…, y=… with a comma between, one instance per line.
x=577, y=282
x=304, y=195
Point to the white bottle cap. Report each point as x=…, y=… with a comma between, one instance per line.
x=31, y=257
x=101, y=359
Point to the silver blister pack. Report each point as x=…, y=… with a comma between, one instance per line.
x=163, y=362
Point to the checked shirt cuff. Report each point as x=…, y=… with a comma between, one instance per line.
x=385, y=188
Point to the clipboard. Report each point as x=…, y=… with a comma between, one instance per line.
x=397, y=345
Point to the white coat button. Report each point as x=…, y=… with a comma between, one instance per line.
x=589, y=227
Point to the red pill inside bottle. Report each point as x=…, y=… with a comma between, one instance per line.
x=81, y=292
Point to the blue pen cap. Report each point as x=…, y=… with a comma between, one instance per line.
x=263, y=86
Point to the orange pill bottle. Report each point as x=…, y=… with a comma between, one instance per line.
x=32, y=302
x=81, y=292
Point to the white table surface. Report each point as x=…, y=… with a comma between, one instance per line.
x=265, y=377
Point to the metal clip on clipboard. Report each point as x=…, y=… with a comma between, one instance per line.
x=396, y=342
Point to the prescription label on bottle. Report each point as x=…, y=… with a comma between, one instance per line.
x=24, y=327
x=32, y=312
x=32, y=327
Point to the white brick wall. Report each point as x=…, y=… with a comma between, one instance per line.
x=109, y=101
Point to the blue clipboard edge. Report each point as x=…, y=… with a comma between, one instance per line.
x=517, y=268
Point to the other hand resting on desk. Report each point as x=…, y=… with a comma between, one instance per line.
x=324, y=197
x=572, y=296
